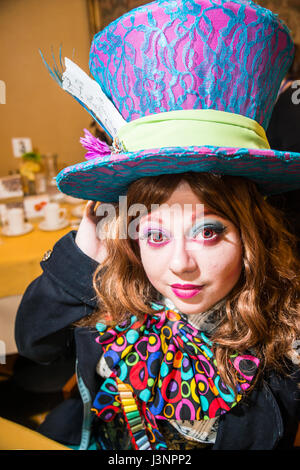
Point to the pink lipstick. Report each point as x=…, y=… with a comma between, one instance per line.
x=185, y=291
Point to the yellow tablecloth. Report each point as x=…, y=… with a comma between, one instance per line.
x=20, y=257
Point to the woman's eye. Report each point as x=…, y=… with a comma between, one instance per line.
x=203, y=232
x=210, y=232
x=206, y=234
x=155, y=237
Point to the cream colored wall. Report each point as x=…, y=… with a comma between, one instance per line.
x=36, y=106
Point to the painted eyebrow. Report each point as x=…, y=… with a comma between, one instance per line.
x=194, y=216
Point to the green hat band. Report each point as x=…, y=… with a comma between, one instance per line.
x=199, y=127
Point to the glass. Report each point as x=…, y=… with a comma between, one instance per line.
x=50, y=165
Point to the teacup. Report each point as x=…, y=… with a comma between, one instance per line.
x=54, y=215
x=14, y=221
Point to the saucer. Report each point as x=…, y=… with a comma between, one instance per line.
x=50, y=228
x=8, y=233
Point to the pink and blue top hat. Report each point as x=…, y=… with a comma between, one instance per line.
x=194, y=83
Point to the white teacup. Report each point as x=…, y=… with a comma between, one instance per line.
x=54, y=215
x=14, y=220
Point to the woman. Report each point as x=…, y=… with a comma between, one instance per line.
x=235, y=253
x=208, y=363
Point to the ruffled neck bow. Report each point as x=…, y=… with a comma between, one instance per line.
x=168, y=371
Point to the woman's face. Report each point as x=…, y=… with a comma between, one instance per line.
x=190, y=255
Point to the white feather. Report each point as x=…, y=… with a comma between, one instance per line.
x=76, y=82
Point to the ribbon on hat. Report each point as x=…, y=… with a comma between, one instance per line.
x=169, y=368
x=192, y=127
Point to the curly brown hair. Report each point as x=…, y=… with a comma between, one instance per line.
x=262, y=310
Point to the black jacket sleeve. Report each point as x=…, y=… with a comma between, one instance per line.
x=286, y=390
x=62, y=295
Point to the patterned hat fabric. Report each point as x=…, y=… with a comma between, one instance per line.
x=195, y=82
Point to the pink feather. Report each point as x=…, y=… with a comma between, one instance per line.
x=96, y=148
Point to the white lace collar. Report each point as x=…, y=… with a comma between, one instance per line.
x=205, y=321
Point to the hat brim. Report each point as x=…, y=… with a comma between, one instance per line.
x=106, y=178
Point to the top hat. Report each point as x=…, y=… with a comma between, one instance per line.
x=184, y=85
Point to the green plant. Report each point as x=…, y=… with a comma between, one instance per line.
x=31, y=156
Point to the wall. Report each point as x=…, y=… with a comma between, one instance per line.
x=36, y=106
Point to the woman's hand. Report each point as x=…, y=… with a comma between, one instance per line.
x=86, y=238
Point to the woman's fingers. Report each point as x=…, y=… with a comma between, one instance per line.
x=89, y=208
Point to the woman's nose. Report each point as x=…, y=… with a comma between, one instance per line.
x=182, y=258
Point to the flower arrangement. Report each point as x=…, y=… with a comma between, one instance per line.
x=30, y=165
